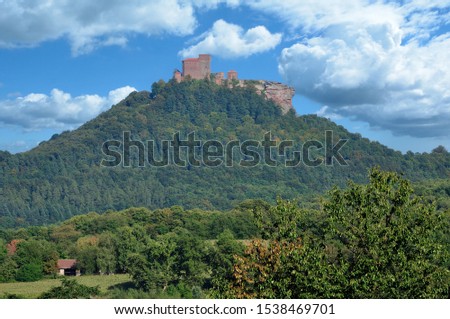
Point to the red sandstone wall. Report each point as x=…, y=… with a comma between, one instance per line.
x=232, y=75
x=205, y=65
x=197, y=68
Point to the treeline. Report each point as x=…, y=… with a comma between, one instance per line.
x=63, y=177
x=102, y=244
x=374, y=240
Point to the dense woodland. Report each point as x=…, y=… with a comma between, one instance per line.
x=376, y=240
x=377, y=228
x=62, y=177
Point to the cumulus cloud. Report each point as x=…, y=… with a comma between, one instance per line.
x=380, y=62
x=91, y=24
x=229, y=40
x=59, y=110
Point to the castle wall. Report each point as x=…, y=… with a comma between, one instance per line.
x=197, y=68
x=204, y=61
x=218, y=78
x=232, y=75
x=177, y=76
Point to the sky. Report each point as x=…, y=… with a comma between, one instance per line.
x=379, y=68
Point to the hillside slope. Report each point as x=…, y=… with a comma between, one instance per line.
x=64, y=176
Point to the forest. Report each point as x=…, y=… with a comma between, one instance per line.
x=374, y=240
x=63, y=177
x=376, y=227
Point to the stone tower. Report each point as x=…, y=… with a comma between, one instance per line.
x=197, y=68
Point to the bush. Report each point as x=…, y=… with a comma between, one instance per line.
x=71, y=289
x=29, y=272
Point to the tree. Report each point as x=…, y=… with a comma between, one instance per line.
x=130, y=240
x=29, y=272
x=169, y=260
x=107, y=256
x=87, y=252
x=3, y=252
x=221, y=261
x=381, y=241
x=154, y=268
x=439, y=150
x=36, y=252
x=284, y=265
x=387, y=237
x=87, y=258
x=8, y=269
x=190, y=267
x=71, y=289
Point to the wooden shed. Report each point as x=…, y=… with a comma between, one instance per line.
x=68, y=267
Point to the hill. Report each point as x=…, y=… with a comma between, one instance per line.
x=64, y=176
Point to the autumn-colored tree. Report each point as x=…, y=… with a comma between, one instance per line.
x=380, y=242
x=284, y=265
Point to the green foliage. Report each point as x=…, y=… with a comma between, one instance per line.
x=32, y=260
x=106, y=258
x=62, y=177
x=279, y=222
x=283, y=265
x=29, y=272
x=8, y=269
x=71, y=289
x=374, y=240
x=87, y=260
x=221, y=260
x=169, y=260
x=380, y=242
x=386, y=235
x=3, y=252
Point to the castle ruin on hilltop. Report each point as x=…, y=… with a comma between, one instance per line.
x=200, y=68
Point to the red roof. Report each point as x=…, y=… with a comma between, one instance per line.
x=67, y=263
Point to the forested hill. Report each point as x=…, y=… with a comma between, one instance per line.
x=63, y=176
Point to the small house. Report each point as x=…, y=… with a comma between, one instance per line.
x=68, y=267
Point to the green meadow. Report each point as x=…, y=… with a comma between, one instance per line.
x=35, y=289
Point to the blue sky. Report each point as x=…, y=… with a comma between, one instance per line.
x=379, y=68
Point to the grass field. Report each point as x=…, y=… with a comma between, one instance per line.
x=34, y=289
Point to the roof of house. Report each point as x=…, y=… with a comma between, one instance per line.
x=66, y=263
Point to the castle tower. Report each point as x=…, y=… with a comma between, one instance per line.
x=177, y=76
x=218, y=78
x=197, y=68
x=232, y=75
x=204, y=61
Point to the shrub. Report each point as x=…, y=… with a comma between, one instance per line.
x=71, y=289
x=29, y=272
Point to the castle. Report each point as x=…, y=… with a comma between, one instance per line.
x=200, y=68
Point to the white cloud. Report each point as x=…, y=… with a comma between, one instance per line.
x=380, y=62
x=311, y=16
x=90, y=24
x=231, y=41
x=59, y=110
x=213, y=4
